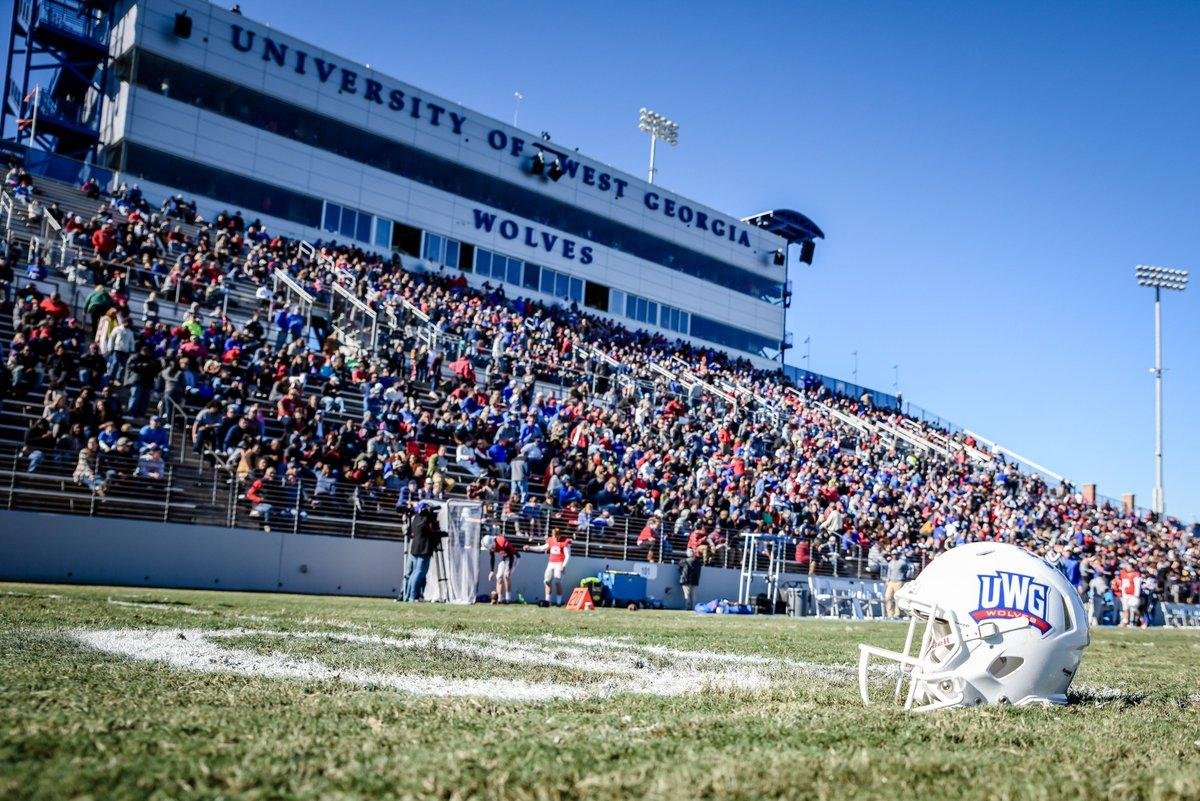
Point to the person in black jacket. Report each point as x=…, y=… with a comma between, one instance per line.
x=142, y=374
x=689, y=577
x=425, y=537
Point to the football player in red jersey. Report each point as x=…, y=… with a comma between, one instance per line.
x=558, y=547
x=503, y=555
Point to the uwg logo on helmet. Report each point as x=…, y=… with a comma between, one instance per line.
x=1013, y=595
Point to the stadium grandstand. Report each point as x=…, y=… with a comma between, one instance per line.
x=195, y=336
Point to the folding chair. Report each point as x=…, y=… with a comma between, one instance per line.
x=824, y=603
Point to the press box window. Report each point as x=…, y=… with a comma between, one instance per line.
x=441, y=250
x=561, y=285
x=433, y=248
x=497, y=267
x=531, y=277
x=642, y=310
x=383, y=232
x=466, y=256
x=349, y=223
x=616, y=301
x=406, y=239
x=674, y=319
x=595, y=296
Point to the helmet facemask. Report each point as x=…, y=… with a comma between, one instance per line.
x=927, y=680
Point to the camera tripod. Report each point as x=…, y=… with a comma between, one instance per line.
x=443, y=580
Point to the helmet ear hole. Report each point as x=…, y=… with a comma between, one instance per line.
x=1004, y=665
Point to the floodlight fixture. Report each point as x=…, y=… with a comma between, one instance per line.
x=1158, y=279
x=659, y=127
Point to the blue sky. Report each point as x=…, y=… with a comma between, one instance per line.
x=987, y=176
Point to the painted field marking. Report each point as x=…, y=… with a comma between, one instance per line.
x=163, y=607
x=617, y=667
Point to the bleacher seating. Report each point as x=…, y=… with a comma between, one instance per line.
x=626, y=426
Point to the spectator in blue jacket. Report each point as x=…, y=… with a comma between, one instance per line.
x=153, y=433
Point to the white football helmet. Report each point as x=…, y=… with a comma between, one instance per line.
x=1000, y=626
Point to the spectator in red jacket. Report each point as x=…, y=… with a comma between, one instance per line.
x=649, y=537
x=54, y=306
x=105, y=241
x=803, y=554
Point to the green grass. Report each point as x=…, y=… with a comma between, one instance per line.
x=79, y=723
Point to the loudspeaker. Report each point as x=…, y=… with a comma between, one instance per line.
x=183, y=25
x=807, y=248
x=780, y=257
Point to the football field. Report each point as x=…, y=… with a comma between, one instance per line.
x=134, y=693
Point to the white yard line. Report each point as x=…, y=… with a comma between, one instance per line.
x=1099, y=694
x=192, y=649
x=189, y=610
x=621, y=670
x=639, y=677
x=782, y=664
x=163, y=607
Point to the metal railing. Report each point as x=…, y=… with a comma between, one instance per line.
x=6, y=208
x=47, y=481
x=50, y=481
x=355, y=323
x=1034, y=466
x=76, y=19
x=176, y=414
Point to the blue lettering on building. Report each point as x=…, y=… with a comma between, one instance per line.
x=372, y=91
x=532, y=237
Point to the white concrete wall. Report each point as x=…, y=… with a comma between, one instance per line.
x=66, y=549
x=210, y=49
x=78, y=550
x=192, y=134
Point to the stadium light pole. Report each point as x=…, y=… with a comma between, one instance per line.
x=1159, y=278
x=659, y=127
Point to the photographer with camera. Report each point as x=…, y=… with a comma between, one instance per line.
x=425, y=538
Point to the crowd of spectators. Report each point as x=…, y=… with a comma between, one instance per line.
x=549, y=415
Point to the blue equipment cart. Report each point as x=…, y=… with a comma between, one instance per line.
x=622, y=589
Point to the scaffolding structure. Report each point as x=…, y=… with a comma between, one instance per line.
x=56, y=75
x=755, y=547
